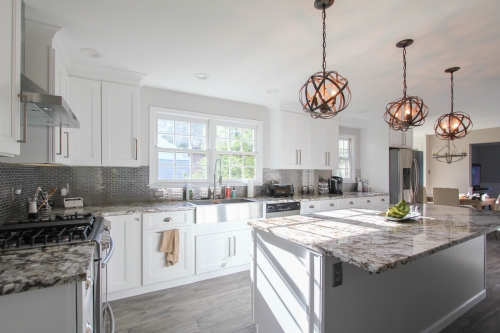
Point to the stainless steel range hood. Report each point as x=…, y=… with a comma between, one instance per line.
x=44, y=109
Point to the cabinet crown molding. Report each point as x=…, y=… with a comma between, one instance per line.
x=41, y=28
x=108, y=74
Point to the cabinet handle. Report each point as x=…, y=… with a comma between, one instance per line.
x=234, y=246
x=300, y=156
x=296, y=157
x=382, y=200
x=328, y=158
x=60, y=141
x=24, y=98
x=89, y=283
x=67, y=144
x=368, y=201
x=136, y=149
x=351, y=203
x=137, y=219
x=332, y=204
x=229, y=238
x=168, y=219
x=311, y=206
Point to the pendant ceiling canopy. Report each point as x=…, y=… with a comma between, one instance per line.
x=453, y=125
x=325, y=93
x=409, y=111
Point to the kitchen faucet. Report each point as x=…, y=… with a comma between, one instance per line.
x=215, y=175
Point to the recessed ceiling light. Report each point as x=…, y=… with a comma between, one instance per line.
x=363, y=111
x=272, y=91
x=201, y=76
x=91, y=53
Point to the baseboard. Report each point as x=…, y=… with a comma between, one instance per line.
x=175, y=283
x=455, y=314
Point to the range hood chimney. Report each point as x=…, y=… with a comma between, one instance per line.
x=43, y=109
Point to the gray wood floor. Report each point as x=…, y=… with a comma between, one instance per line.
x=223, y=305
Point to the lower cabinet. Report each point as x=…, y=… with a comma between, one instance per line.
x=125, y=231
x=154, y=269
x=222, y=250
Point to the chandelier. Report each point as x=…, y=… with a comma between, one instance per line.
x=453, y=125
x=325, y=93
x=449, y=153
x=409, y=111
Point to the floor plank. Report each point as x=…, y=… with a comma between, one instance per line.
x=223, y=305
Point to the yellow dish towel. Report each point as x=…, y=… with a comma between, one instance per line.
x=170, y=246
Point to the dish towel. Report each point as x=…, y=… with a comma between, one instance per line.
x=170, y=246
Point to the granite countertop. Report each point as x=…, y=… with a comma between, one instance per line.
x=302, y=197
x=366, y=239
x=36, y=268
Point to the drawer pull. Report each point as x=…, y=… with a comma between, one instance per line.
x=368, y=201
x=168, y=219
x=383, y=200
x=89, y=283
x=351, y=203
x=137, y=219
x=332, y=204
x=311, y=206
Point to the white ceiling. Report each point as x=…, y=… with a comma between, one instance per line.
x=249, y=46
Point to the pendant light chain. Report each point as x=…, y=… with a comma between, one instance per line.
x=324, y=39
x=452, y=84
x=404, y=71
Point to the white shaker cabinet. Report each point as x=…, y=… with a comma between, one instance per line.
x=120, y=125
x=325, y=137
x=222, y=250
x=126, y=262
x=84, y=148
x=61, y=88
x=401, y=139
x=10, y=77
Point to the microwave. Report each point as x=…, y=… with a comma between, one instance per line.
x=278, y=190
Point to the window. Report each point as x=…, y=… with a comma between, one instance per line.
x=185, y=146
x=236, y=148
x=345, y=169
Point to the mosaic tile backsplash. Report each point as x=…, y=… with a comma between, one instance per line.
x=118, y=185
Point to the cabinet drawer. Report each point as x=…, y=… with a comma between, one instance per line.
x=381, y=200
x=368, y=202
x=167, y=219
x=349, y=203
x=154, y=268
x=330, y=205
x=307, y=207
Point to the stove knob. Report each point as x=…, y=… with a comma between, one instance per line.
x=107, y=225
x=88, y=283
x=89, y=328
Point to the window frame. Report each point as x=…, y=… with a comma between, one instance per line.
x=212, y=121
x=352, y=139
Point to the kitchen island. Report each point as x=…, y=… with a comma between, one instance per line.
x=315, y=273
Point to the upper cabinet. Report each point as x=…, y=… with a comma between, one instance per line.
x=400, y=139
x=301, y=142
x=120, y=124
x=10, y=77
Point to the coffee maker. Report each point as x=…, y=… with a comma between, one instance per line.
x=335, y=185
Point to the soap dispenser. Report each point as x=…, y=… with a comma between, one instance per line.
x=233, y=192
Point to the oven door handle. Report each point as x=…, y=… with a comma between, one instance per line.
x=110, y=253
x=107, y=307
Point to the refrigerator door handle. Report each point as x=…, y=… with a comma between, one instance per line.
x=414, y=181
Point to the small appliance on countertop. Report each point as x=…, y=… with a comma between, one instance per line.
x=335, y=185
x=278, y=190
x=73, y=203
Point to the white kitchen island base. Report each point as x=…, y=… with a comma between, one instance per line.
x=292, y=290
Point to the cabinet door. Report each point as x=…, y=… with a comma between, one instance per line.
x=121, y=267
x=120, y=125
x=85, y=143
x=242, y=245
x=61, y=88
x=304, y=143
x=154, y=268
x=325, y=147
x=213, y=252
x=10, y=76
x=401, y=139
x=290, y=151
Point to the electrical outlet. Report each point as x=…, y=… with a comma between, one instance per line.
x=158, y=194
x=66, y=186
x=337, y=274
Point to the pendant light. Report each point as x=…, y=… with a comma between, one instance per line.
x=325, y=93
x=409, y=111
x=453, y=125
x=449, y=153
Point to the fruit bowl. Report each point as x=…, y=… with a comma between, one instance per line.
x=410, y=216
x=398, y=211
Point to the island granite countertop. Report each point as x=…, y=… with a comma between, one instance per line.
x=365, y=238
x=36, y=268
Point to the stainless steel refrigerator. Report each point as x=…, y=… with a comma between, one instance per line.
x=405, y=174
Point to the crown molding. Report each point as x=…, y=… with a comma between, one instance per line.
x=41, y=28
x=101, y=73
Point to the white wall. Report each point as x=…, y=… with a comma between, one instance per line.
x=374, y=155
x=196, y=103
x=455, y=175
